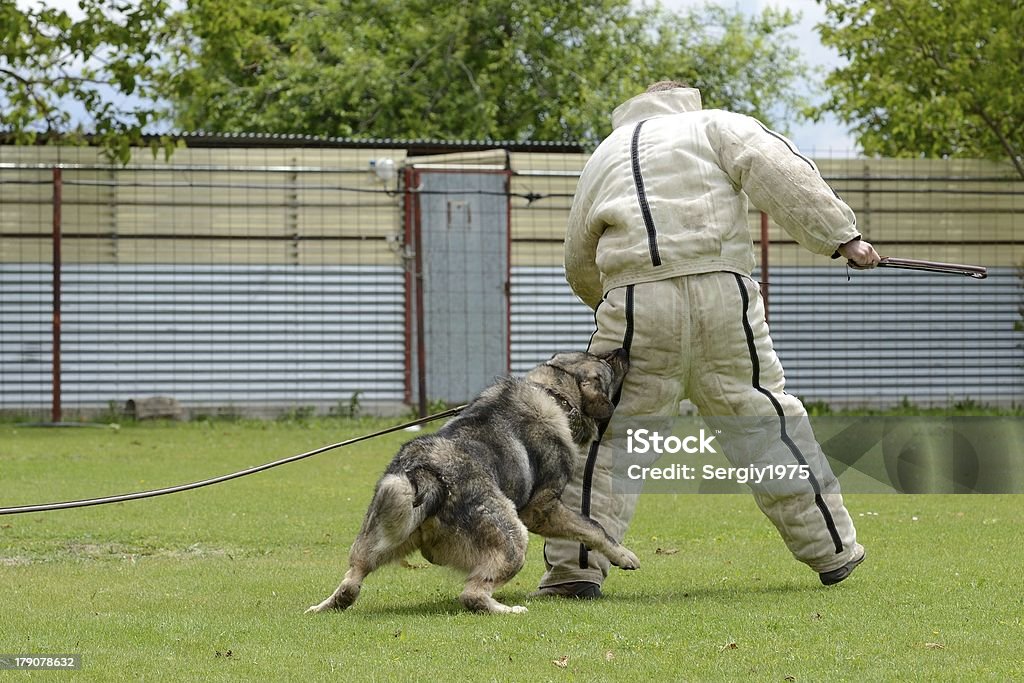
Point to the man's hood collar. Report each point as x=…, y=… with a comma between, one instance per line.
x=647, y=105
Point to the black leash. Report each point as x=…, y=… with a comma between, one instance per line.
x=20, y=509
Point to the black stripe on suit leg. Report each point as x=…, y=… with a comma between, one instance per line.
x=784, y=435
x=588, y=469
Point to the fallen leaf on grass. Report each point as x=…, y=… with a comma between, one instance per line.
x=561, y=662
x=935, y=646
x=731, y=645
x=666, y=551
x=609, y=656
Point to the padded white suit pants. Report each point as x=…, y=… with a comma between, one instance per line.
x=705, y=338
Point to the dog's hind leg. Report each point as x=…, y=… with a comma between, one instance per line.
x=389, y=533
x=500, y=552
x=477, y=596
x=345, y=594
x=367, y=555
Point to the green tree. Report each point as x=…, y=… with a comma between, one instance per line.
x=930, y=78
x=103, y=64
x=489, y=69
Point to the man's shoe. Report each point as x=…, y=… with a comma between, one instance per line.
x=836, y=575
x=581, y=590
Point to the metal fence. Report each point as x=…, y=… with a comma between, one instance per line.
x=339, y=279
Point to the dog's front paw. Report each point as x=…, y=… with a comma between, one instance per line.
x=626, y=559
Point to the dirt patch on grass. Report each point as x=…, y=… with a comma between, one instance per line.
x=14, y=561
x=134, y=552
x=119, y=552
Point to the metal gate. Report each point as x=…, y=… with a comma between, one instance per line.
x=457, y=285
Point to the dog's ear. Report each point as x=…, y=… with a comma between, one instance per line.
x=595, y=402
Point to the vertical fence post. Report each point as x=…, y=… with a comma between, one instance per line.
x=415, y=320
x=421, y=319
x=764, y=262
x=55, y=405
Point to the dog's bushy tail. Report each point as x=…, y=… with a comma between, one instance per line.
x=401, y=503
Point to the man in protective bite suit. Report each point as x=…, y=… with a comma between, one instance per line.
x=658, y=245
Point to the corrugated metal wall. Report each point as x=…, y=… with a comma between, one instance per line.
x=211, y=336
x=546, y=317
x=254, y=280
x=884, y=336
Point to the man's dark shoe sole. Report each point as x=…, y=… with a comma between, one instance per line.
x=836, y=575
x=579, y=590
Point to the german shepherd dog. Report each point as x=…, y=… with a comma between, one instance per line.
x=466, y=496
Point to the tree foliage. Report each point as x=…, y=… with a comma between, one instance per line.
x=103, y=65
x=455, y=69
x=489, y=69
x=930, y=78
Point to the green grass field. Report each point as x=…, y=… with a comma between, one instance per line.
x=211, y=584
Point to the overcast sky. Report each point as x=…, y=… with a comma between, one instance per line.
x=828, y=138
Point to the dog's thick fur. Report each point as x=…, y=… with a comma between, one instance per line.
x=466, y=496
